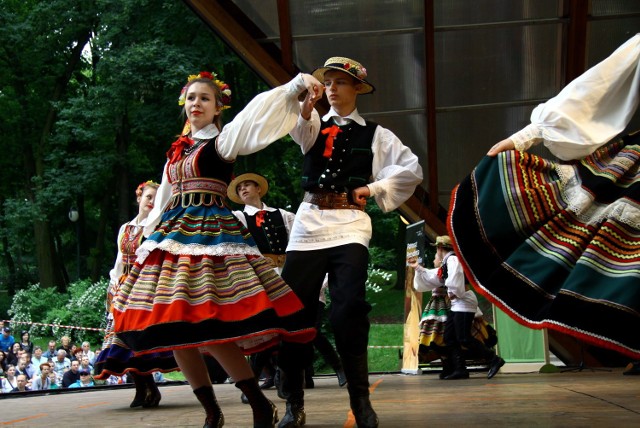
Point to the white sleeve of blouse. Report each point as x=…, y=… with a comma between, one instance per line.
x=266, y=118
x=396, y=170
x=590, y=110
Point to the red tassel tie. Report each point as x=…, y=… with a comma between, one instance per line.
x=331, y=133
x=260, y=218
x=174, y=154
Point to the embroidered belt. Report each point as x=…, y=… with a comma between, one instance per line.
x=277, y=259
x=198, y=191
x=331, y=200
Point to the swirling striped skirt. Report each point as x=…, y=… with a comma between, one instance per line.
x=200, y=280
x=557, y=245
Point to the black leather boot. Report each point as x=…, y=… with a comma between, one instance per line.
x=291, y=387
x=207, y=398
x=265, y=413
x=141, y=389
x=356, y=368
x=447, y=367
x=152, y=397
x=459, y=366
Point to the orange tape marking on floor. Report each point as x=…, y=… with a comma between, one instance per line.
x=101, y=403
x=15, y=421
x=351, y=421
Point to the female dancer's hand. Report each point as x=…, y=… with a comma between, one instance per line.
x=502, y=146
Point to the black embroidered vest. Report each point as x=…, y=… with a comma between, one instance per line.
x=271, y=236
x=349, y=163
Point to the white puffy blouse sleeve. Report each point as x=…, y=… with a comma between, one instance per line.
x=268, y=117
x=396, y=171
x=589, y=111
x=426, y=279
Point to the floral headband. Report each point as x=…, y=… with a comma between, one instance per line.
x=224, y=89
x=144, y=184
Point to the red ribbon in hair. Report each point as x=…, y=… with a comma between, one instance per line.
x=331, y=133
x=260, y=218
x=174, y=154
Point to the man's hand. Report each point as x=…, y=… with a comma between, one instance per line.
x=360, y=195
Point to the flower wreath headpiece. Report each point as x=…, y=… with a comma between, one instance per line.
x=144, y=184
x=224, y=89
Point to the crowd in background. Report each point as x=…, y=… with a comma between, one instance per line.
x=27, y=367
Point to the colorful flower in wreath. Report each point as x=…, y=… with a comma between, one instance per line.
x=224, y=89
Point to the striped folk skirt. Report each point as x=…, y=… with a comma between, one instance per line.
x=199, y=280
x=557, y=245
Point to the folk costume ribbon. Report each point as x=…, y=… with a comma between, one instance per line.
x=331, y=133
x=174, y=154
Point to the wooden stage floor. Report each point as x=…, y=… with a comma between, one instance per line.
x=570, y=399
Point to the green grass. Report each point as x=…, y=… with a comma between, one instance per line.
x=386, y=317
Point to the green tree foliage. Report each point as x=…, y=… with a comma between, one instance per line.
x=88, y=100
x=89, y=104
x=53, y=312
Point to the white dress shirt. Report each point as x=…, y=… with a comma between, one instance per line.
x=396, y=173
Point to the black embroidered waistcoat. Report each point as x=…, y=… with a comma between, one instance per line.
x=269, y=231
x=344, y=167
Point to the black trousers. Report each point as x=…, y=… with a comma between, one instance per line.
x=304, y=271
x=457, y=335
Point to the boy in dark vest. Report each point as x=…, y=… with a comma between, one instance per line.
x=347, y=159
x=270, y=229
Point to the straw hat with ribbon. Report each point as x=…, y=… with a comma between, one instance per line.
x=349, y=66
x=443, y=241
x=232, y=189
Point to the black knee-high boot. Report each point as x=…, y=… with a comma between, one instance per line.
x=153, y=396
x=291, y=388
x=356, y=367
x=265, y=413
x=207, y=398
x=141, y=389
x=459, y=364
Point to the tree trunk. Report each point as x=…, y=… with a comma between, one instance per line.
x=48, y=272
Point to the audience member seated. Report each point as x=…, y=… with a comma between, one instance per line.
x=84, y=381
x=61, y=363
x=14, y=354
x=76, y=354
x=3, y=363
x=21, y=367
x=9, y=382
x=6, y=339
x=38, y=358
x=21, y=381
x=55, y=380
x=25, y=341
x=72, y=375
x=85, y=364
x=42, y=381
x=51, y=352
x=87, y=352
x=65, y=343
